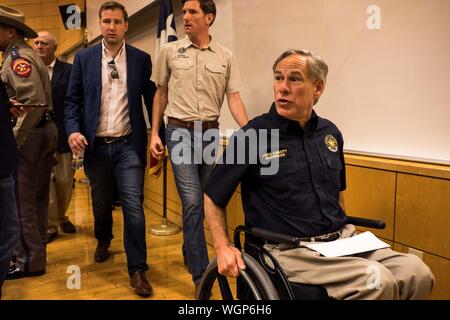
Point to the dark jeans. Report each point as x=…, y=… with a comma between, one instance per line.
x=119, y=162
x=9, y=225
x=191, y=179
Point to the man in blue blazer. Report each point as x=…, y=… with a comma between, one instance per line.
x=105, y=121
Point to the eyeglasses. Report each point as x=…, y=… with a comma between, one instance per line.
x=114, y=72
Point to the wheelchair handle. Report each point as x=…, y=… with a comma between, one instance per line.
x=365, y=222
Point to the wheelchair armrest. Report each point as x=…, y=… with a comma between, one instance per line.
x=276, y=237
x=365, y=222
x=265, y=235
x=291, y=240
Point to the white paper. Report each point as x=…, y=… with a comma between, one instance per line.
x=363, y=242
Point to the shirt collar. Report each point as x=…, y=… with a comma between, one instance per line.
x=52, y=65
x=286, y=124
x=108, y=54
x=211, y=46
x=20, y=43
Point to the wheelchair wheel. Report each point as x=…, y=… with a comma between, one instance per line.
x=254, y=276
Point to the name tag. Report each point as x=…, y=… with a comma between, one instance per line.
x=276, y=154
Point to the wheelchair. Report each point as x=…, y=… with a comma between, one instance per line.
x=263, y=278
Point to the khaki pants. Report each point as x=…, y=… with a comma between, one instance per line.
x=379, y=274
x=60, y=191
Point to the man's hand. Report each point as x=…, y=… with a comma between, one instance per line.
x=77, y=143
x=229, y=261
x=18, y=109
x=156, y=146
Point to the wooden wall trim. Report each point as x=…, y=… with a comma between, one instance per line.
x=411, y=167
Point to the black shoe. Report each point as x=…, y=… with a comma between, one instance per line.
x=102, y=252
x=51, y=236
x=15, y=273
x=67, y=227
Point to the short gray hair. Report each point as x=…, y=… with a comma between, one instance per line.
x=51, y=36
x=317, y=67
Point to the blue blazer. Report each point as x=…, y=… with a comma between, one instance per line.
x=82, y=102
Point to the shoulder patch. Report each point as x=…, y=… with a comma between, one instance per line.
x=21, y=67
x=331, y=143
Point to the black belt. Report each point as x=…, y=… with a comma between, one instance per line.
x=47, y=116
x=322, y=238
x=109, y=140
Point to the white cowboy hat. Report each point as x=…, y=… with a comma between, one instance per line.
x=15, y=18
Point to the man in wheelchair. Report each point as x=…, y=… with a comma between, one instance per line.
x=303, y=196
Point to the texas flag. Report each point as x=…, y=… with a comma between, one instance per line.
x=166, y=33
x=166, y=26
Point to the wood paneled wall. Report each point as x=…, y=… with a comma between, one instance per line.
x=44, y=15
x=412, y=198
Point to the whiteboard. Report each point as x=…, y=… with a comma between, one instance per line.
x=388, y=90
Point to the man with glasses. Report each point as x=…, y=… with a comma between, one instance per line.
x=105, y=121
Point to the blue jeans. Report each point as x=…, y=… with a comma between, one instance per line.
x=120, y=162
x=9, y=225
x=191, y=178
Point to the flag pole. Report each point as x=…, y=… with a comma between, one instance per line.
x=166, y=33
x=166, y=228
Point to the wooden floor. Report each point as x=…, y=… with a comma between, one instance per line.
x=108, y=280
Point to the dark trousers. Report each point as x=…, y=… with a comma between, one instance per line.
x=9, y=225
x=36, y=159
x=119, y=162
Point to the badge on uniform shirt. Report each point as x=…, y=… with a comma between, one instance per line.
x=331, y=143
x=181, y=50
x=15, y=53
x=21, y=67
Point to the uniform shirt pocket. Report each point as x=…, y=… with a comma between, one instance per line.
x=333, y=172
x=182, y=69
x=216, y=68
x=215, y=76
x=183, y=64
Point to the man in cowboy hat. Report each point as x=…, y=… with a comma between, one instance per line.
x=27, y=82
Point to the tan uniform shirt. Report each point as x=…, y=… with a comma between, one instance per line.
x=32, y=87
x=197, y=79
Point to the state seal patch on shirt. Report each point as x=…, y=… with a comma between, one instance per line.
x=21, y=67
x=331, y=143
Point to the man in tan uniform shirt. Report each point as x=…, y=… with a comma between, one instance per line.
x=193, y=76
x=26, y=80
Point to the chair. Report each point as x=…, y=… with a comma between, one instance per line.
x=264, y=279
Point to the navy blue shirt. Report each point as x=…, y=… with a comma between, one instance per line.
x=302, y=198
x=8, y=148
